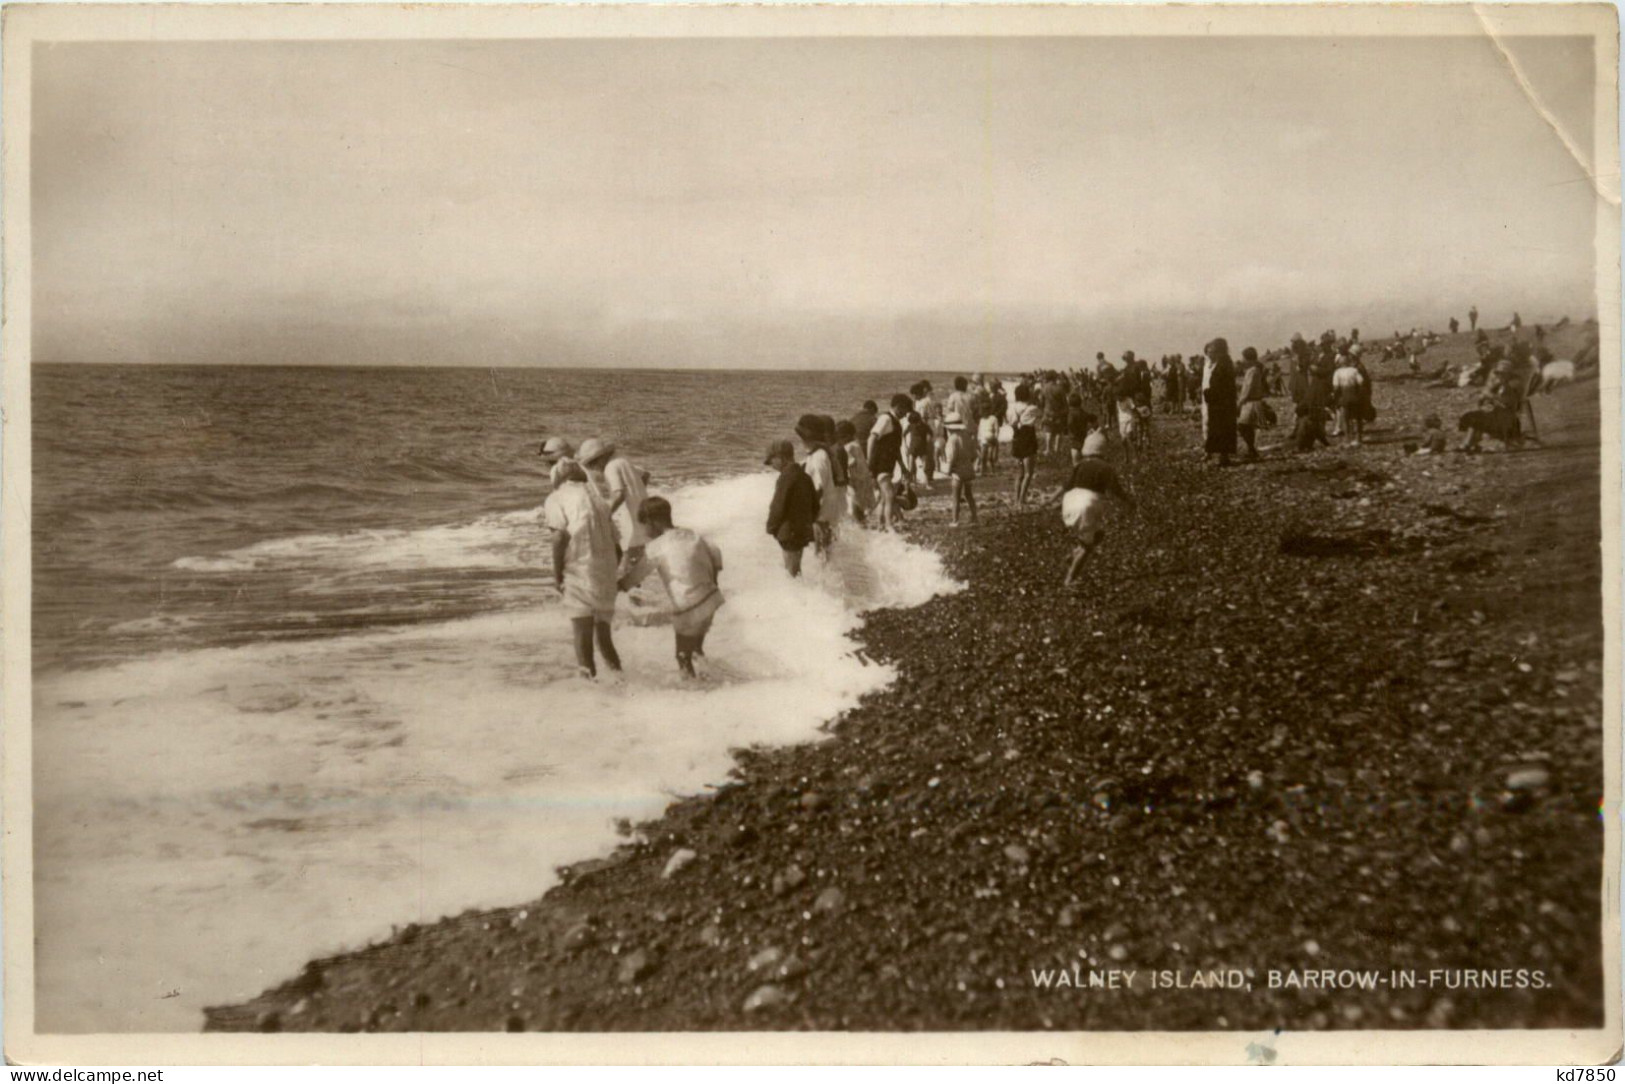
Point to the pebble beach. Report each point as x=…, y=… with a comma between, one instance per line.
x=1332, y=712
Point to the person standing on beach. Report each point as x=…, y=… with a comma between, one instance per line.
x=1218, y=403
x=820, y=469
x=1346, y=388
x=1024, y=446
x=1254, y=411
x=1000, y=409
x=794, y=511
x=622, y=485
x=930, y=412
x=960, y=453
x=1083, y=501
x=884, y=454
x=863, y=421
x=585, y=563
x=688, y=565
x=1472, y=318
x=1055, y=416
x=860, y=489
x=962, y=402
x=1080, y=422
x=987, y=439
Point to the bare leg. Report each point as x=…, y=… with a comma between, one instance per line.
x=792, y=562
x=581, y=632
x=970, y=502
x=606, y=646
x=686, y=650
x=1080, y=553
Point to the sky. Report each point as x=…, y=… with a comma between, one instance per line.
x=911, y=203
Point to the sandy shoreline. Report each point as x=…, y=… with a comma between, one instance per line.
x=1279, y=731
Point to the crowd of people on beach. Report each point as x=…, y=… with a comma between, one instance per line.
x=865, y=472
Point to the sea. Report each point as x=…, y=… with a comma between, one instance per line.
x=299, y=677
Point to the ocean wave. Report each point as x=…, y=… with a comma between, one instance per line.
x=462, y=762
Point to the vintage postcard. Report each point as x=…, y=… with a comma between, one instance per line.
x=811, y=534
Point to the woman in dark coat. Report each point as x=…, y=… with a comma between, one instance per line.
x=1218, y=403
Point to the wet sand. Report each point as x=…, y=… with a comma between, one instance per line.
x=1323, y=712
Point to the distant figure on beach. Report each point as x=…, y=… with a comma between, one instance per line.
x=1024, y=445
x=1083, y=501
x=1173, y=386
x=1219, y=403
x=794, y=511
x=820, y=468
x=1130, y=392
x=1081, y=422
x=963, y=403
x=960, y=456
x=987, y=439
x=688, y=565
x=585, y=563
x=860, y=488
x=1517, y=323
x=1253, y=411
x=1455, y=325
x=1350, y=390
x=1433, y=439
x=622, y=485
x=1472, y=318
x=918, y=454
x=885, y=455
x=864, y=421
x=1055, y=420
x=930, y=412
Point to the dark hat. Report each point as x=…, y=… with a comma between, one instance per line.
x=778, y=449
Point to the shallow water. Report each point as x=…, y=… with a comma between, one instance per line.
x=221, y=795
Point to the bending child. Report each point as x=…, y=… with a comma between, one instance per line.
x=1083, y=501
x=688, y=565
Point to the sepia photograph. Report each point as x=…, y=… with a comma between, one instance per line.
x=1043, y=526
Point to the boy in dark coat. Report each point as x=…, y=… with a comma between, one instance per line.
x=794, y=509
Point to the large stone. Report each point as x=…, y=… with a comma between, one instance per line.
x=678, y=860
x=766, y=997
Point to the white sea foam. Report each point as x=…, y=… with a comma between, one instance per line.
x=509, y=540
x=207, y=821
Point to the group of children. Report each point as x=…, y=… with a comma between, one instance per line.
x=598, y=503
x=609, y=534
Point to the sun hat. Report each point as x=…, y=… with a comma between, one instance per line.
x=593, y=449
x=554, y=447
x=778, y=449
x=1094, y=443
x=810, y=427
x=566, y=470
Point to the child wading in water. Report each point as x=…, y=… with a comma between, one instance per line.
x=688, y=565
x=1083, y=501
x=791, y=516
x=585, y=561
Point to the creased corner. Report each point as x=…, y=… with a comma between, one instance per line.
x=1545, y=114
